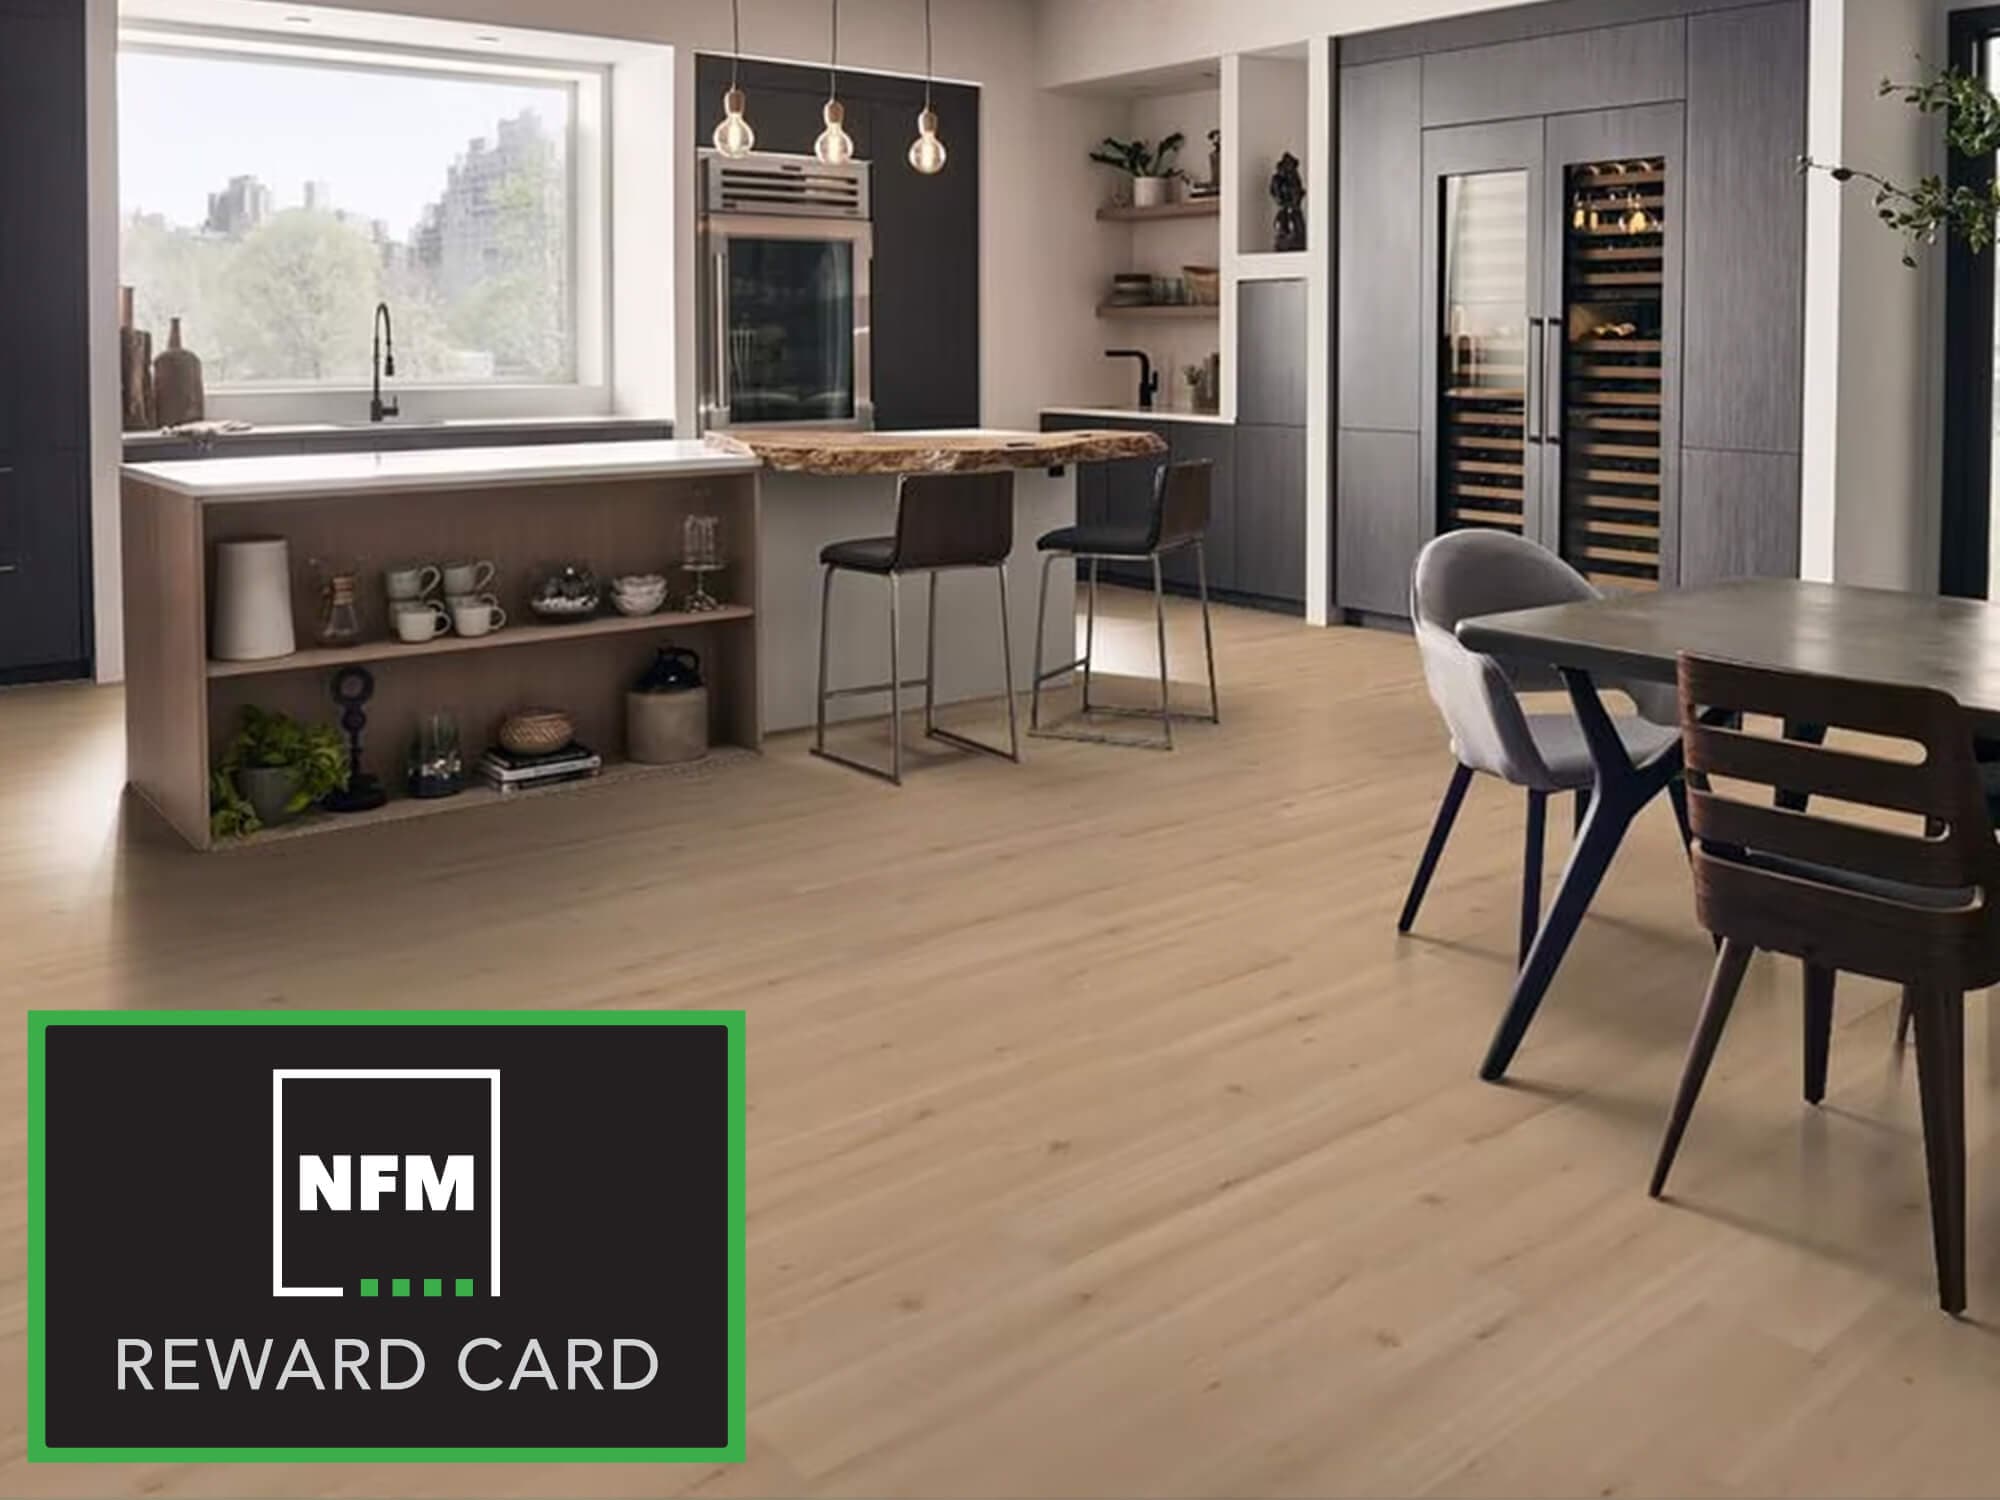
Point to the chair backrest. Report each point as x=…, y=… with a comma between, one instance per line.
x=1180, y=503
x=954, y=520
x=1907, y=903
x=1477, y=572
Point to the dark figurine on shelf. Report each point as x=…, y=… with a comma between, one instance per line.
x=1288, y=191
x=352, y=688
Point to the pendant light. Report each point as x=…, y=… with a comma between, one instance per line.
x=927, y=153
x=733, y=136
x=834, y=146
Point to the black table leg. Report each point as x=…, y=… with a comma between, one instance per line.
x=1619, y=790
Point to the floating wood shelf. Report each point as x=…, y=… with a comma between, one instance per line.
x=1186, y=208
x=329, y=658
x=1160, y=310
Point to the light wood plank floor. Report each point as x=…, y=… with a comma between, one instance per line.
x=1104, y=1137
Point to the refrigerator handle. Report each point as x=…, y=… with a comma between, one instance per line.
x=1552, y=375
x=724, y=399
x=1531, y=404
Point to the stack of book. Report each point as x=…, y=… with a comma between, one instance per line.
x=507, y=772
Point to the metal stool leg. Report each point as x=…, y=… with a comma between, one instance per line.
x=1041, y=620
x=825, y=603
x=1089, y=634
x=1160, y=621
x=1207, y=631
x=896, y=678
x=930, y=659
x=1007, y=666
x=966, y=742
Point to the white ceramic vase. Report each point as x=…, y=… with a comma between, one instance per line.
x=253, y=600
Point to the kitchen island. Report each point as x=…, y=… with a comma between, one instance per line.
x=616, y=507
x=824, y=486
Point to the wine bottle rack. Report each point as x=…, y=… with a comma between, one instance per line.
x=1483, y=467
x=1614, y=272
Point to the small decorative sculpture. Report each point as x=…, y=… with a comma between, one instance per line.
x=1288, y=191
x=352, y=688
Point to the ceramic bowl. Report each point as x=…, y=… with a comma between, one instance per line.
x=639, y=604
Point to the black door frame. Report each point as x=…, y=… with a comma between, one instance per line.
x=1966, y=532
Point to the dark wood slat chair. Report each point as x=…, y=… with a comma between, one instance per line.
x=1914, y=905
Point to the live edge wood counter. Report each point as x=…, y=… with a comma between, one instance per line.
x=952, y=451
x=616, y=506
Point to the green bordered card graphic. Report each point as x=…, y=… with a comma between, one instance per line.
x=386, y=1236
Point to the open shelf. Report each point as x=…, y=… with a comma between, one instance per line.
x=1171, y=310
x=402, y=809
x=1186, y=208
x=324, y=658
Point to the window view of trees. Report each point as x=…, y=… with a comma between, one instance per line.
x=275, y=280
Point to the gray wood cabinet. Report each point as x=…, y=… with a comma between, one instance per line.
x=1271, y=353
x=1600, y=68
x=44, y=325
x=1381, y=513
x=1381, y=293
x=1696, y=109
x=1746, y=229
x=1193, y=442
x=1739, y=516
x=1270, y=560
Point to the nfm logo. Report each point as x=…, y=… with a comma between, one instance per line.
x=321, y=1203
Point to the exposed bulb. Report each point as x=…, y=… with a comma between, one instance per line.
x=733, y=136
x=834, y=146
x=927, y=153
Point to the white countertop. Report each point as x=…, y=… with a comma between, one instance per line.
x=1135, y=414
x=221, y=480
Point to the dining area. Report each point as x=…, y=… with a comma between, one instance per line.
x=1825, y=752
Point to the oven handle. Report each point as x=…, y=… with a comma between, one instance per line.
x=724, y=400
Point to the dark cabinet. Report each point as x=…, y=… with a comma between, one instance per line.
x=1381, y=225
x=1745, y=229
x=1606, y=314
x=1271, y=353
x=1270, y=498
x=44, y=325
x=1598, y=68
x=925, y=287
x=1215, y=444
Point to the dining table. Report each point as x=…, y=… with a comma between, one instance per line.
x=1832, y=629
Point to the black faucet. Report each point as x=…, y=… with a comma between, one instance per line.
x=1149, y=383
x=382, y=361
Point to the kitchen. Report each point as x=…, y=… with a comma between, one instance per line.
x=620, y=426
x=900, y=335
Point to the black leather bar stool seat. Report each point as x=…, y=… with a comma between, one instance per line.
x=866, y=554
x=944, y=522
x=1177, y=518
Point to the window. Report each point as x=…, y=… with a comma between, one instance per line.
x=272, y=195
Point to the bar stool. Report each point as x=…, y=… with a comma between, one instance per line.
x=1177, y=518
x=943, y=522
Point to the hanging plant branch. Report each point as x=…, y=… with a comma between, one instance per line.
x=1922, y=211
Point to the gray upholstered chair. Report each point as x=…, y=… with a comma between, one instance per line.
x=1467, y=573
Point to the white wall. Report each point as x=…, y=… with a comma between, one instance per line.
x=1886, y=475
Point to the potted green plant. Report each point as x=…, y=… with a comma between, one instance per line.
x=273, y=769
x=1151, y=168
x=1922, y=210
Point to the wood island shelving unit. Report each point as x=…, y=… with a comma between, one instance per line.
x=618, y=509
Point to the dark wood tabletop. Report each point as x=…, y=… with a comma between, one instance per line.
x=1842, y=631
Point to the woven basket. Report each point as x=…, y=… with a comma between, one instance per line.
x=536, y=731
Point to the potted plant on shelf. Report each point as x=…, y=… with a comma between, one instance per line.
x=273, y=770
x=1151, y=168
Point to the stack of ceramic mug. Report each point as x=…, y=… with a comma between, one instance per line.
x=417, y=613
